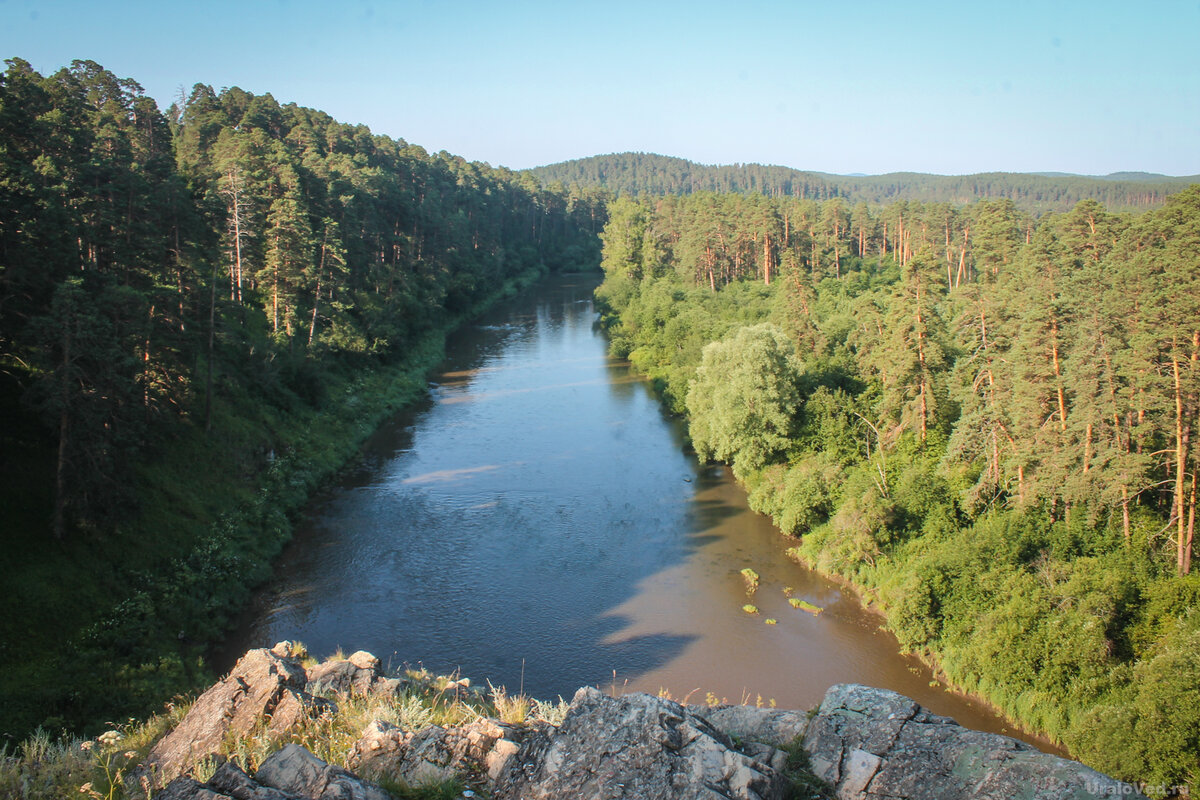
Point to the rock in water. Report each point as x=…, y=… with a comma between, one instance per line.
x=871, y=744
x=636, y=746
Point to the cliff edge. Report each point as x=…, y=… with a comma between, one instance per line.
x=861, y=743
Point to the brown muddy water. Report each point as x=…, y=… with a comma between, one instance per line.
x=539, y=523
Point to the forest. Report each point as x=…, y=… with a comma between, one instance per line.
x=202, y=312
x=635, y=174
x=976, y=399
x=985, y=422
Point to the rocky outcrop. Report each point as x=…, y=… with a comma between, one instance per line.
x=360, y=674
x=636, y=746
x=870, y=744
x=865, y=744
x=774, y=726
x=298, y=772
x=267, y=688
x=480, y=749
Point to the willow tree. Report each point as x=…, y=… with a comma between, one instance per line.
x=745, y=397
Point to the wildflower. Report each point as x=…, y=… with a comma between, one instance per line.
x=109, y=738
x=88, y=745
x=131, y=754
x=86, y=788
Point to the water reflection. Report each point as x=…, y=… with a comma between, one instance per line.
x=538, y=521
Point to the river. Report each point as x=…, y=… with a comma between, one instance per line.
x=539, y=523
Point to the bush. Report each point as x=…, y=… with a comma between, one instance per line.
x=1149, y=730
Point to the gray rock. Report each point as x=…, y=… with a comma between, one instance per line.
x=435, y=754
x=229, y=779
x=263, y=685
x=296, y=771
x=774, y=726
x=635, y=746
x=873, y=744
x=185, y=788
x=293, y=773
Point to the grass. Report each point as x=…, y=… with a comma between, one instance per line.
x=444, y=790
x=49, y=767
x=804, y=605
x=751, y=580
x=802, y=783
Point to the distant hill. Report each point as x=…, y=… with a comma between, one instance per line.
x=648, y=173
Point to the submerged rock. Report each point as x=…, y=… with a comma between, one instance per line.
x=872, y=743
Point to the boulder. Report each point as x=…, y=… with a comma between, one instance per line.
x=635, y=746
x=264, y=687
x=774, y=726
x=229, y=779
x=870, y=744
x=185, y=788
x=298, y=772
x=293, y=773
x=360, y=675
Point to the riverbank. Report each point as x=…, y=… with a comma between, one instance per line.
x=542, y=471
x=1057, y=621
x=104, y=629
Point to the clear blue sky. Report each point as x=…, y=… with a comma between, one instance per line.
x=955, y=87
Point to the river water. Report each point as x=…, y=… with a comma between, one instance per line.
x=538, y=523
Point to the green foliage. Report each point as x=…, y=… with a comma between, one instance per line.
x=1150, y=726
x=651, y=174
x=744, y=398
x=751, y=578
x=988, y=426
x=804, y=605
x=205, y=312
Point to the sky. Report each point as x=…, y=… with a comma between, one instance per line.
x=853, y=87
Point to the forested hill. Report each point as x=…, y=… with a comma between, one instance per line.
x=200, y=311
x=646, y=173
x=986, y=422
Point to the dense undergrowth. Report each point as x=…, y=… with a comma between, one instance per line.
x=846, y=404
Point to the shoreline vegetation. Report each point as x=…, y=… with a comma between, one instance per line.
x=203, y=313
x=984, y=422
